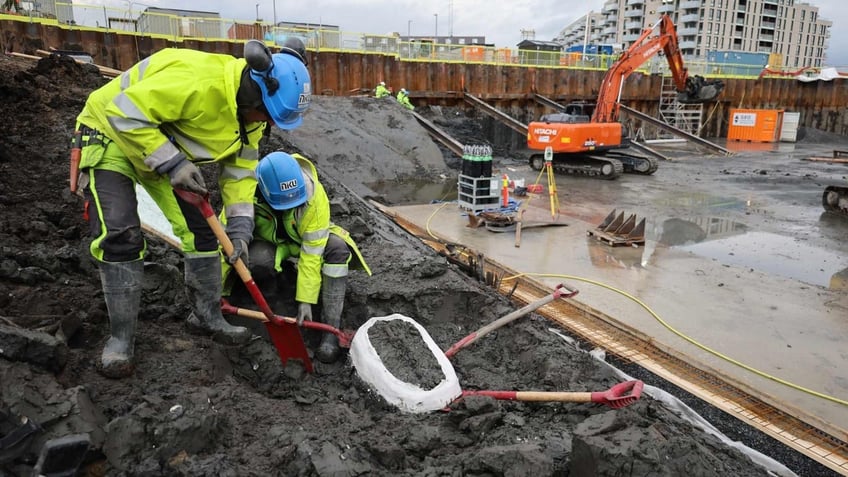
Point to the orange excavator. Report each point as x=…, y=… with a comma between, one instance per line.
x=587, y=139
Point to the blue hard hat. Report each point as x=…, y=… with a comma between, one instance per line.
x=281, y=181
x=286, y=89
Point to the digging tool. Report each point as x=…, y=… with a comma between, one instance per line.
x=616, y=397
x=285, y=336
x=344, y=336
x=560, y=291
x=76, y=155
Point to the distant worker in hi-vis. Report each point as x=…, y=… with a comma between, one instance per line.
x=403, y=99
x=381, y=91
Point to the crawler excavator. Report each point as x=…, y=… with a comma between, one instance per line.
x=588, y=139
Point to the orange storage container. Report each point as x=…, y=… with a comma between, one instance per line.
x=755, y=125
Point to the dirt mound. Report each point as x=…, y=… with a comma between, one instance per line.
x=194, y=407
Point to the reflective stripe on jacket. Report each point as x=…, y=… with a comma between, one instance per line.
x=181, y=101
x=303, y=233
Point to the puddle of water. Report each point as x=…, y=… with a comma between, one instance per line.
x=416, y=191
x=703, y=201
x=775, y=254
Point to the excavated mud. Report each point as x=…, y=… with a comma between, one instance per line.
x=404, y=353
x=194, y=407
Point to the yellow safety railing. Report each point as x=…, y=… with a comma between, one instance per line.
x=178, y=25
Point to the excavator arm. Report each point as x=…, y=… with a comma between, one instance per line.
x=690, y=89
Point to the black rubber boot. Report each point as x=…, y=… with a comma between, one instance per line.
x=122, y=292
x=203, y=287
x=332, y=298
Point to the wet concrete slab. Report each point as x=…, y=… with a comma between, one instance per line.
x=738, y=257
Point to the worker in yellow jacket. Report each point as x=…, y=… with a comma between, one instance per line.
x=381, y=91
x=293, y=220
x=153, y=125
x=403, y=99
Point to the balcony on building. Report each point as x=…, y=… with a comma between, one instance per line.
x=771, y=2
x=687, y=31
x=610, y=30
x=768, y=25
x=690, y=4
x=633, y=13
x=633, y=25
x=690, y=18
x=610, y=20
x=766, y=37
x=665, y=8
x=631, y=3
x=688, y=44
x=631, y=37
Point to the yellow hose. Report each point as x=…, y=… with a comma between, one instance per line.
x=662, y=322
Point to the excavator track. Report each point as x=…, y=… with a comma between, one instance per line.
x=599, y=166
x=636, y=164
x=835, y=199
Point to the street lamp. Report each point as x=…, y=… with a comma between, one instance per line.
x=409, y=28
x=257, y=12
x=437, y=23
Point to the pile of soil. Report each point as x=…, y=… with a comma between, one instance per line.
x=194, y=407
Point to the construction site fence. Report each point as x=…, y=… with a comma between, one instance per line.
x=211, y=27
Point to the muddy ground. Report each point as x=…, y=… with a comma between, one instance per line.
x=195, y=407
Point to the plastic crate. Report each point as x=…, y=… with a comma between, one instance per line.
x=478, y=193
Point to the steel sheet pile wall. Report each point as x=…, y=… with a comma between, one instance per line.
x=509, y=88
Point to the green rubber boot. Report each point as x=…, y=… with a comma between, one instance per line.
x=122, y=292
x=203, y=287
x=332, y=298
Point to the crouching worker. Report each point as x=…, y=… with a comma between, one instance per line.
x=292, y=215
x=152, y=126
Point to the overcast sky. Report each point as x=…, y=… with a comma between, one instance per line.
x=500, y=22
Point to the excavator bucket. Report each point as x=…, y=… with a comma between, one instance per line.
x=699, y=90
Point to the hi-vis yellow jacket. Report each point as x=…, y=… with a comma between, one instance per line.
x=303, y=232
x=180, y=100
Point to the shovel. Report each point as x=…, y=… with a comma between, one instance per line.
x=561, y=291
x=616, y=397
x=285, y=336
x=344, y=336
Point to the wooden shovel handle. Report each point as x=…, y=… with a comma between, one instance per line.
x=560, y=396
x=561, y=291
x=202, y=203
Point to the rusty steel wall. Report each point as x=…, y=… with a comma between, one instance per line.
x=822, y=104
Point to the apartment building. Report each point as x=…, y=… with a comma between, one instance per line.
x=788, y=30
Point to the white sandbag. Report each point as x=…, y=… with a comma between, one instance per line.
x=406, y=396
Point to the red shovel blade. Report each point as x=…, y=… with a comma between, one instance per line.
x=620, y=395
x=344, y=336
x=289, y=343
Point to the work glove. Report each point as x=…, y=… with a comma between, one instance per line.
x=240, y=233
x=184, y=175
x=304, y=312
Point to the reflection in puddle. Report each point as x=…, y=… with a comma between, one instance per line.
x=606, y=256
x=702, y=201
x=677, y=231
x=775, y=254
x=415, y=191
